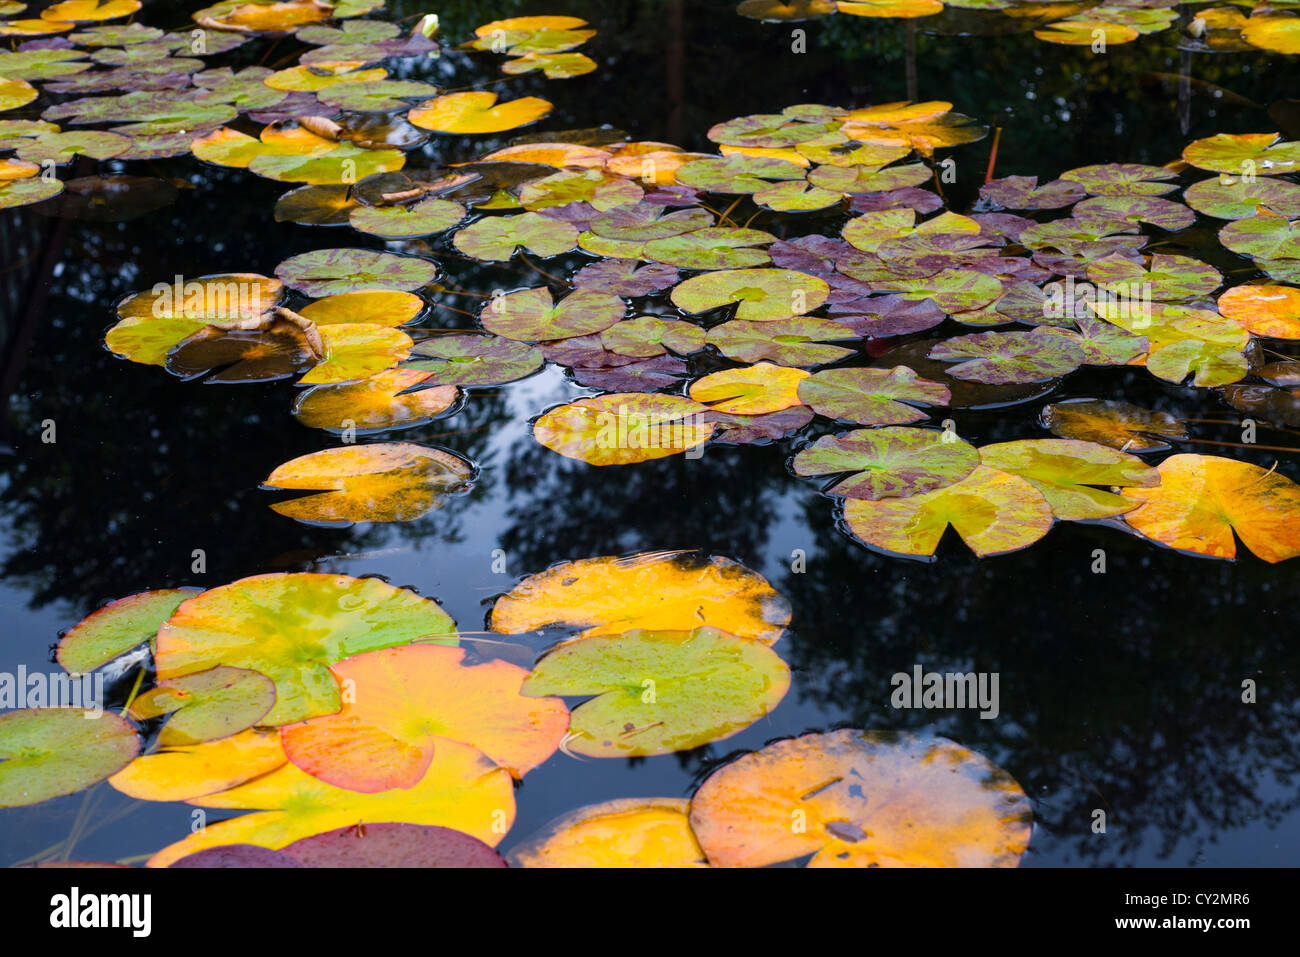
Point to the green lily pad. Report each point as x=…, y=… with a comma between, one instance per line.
x=1226, y=197
x=1167, y=278
x=952, y=290
x=291, y=627
x=759, y=293
x=857, y=179
x=768, y=130
x=469, y=360
x=788, y=342
x=49, y=752
x=890, y=462
x=24, y=192
x=42, y=64
x=1263, y=236
x=738, y=173
x=647, y=336
x=206, y=705
x=795, y=196
x=993, y=511
x=351, y=31
x=603, y=192
x=1239, y=153
x=1002, y=358
x=875, y=396
x=1164, y=213
x=329, y=272
x=712, y=248
x=421, y=219
x=495, y=238
x=660, y=691
x=1212, y=363
x=62, y=148
x=1103, y=344
x=1063, y=469
x=531, y=315
x=117, y=628
x=379, y=95
x=343, y=164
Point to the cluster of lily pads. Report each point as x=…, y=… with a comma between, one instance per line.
x=346, y=714
x=881, y=263
x=1268, y=25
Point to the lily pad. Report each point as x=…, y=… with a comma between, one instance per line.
x=627, y=832
x=375, y=404
x=48, y=752
x=656, y=692
x=118, y=627
x=760, y=293
x=788, y=342
x=412, y=699
x=891, y=462
x=292, y=627
x=863, y=799
x=474, y=360
x=994, y=512
x=623, y=428
x=872, y=396
x=1063, y=469
x=421, y=219
x=462, y=790
x=385, y=482
x=206, y=705
x=653, y=591
x=329, y=272
x=392, y=844
x=476, y=112
x=1203, y=500
x=753, y=390
x=1000, y=358
x=496, y=238
x=531, y=315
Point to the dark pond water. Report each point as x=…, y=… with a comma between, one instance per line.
x=1119, y=691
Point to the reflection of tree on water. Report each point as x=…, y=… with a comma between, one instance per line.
x=1119, y=691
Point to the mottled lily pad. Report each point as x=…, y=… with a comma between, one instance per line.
x=890, y=462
